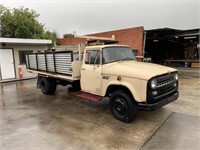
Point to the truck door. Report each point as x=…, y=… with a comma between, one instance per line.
x=91, y=72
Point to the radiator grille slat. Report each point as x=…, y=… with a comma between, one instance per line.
x=164, y=80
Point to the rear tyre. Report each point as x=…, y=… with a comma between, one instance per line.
x=53, y=86
x=122, y=106
x=45, y=86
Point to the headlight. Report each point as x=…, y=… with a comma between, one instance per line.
x=176, y=76
x=153, y=83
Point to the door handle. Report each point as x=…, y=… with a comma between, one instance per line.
x=83, y=69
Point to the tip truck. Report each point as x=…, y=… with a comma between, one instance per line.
x=107, y=71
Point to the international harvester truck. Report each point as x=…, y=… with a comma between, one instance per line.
x=107, y=71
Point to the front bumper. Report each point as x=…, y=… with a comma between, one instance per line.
x=160, y=103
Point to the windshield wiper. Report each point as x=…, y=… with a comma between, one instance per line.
x=126, y=58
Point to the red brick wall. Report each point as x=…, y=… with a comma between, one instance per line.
x=132, y=37
x=70, y=41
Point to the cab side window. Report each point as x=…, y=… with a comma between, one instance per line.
x=92, y=57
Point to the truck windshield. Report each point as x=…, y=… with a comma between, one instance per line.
x=112, y=54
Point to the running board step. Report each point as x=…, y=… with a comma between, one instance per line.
x=88, y=96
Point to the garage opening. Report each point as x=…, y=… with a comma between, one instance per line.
x=175, y=48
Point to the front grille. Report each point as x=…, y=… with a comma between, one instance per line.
x=165, y=87
x=164, y=80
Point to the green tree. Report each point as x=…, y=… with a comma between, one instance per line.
x=50, y=35
x=23, y=23
x=68, y=35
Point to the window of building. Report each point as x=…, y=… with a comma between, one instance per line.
x=22, y=55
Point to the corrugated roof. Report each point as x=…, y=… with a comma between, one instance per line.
x=103, y=46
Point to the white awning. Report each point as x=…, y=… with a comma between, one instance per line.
x=25, y=41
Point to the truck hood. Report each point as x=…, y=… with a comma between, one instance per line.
x=134, y=69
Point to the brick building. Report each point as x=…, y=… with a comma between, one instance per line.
x=166, y=46
x=132, y=37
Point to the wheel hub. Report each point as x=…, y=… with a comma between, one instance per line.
x=120, y=106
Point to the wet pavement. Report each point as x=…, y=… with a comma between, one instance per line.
x=31, y=120
x=178, y=132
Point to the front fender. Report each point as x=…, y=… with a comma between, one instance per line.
x=136, y=86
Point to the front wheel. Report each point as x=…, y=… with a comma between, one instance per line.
x=122, y=106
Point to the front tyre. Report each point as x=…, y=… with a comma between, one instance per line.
x=122, y=106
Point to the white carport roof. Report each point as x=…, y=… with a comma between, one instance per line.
x=24, y=41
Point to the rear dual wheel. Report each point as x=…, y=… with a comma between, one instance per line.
x=48, y=85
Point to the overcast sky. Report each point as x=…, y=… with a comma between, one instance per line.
x=92, y=16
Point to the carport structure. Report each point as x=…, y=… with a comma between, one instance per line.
x=177, y=48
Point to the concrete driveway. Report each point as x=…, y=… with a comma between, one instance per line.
x=31, y=120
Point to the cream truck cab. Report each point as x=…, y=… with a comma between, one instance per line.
x=107, y=71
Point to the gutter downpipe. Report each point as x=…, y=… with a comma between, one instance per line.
x=144, y=43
